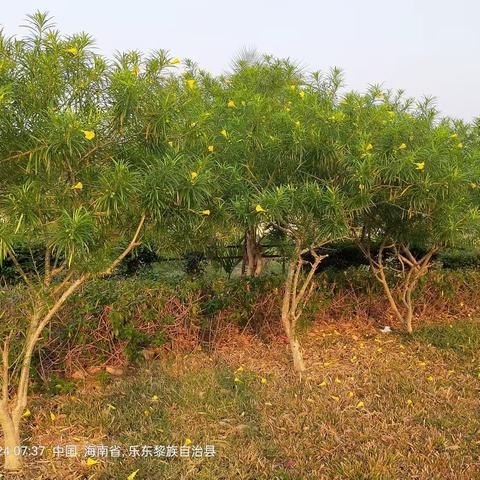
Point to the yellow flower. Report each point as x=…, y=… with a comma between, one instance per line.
x=236, y=380
x=26, y=413
x=193, y=124
x=350, y=394
x=391, y=114
x=292, y=87
x=174, y=61
x=360, y=404
x=430, y=378
x=136, y=70
x=155, y=398
x=90, y=462
x=231, y=104
x=460, y=145
x=224, y=133
x=409, y=402
x=454, y=135
x=302, y=94
x=77, y=186
x=205, y=212
x=88, y=134
x=368, y=147
x=323, y=384
x=133, y=474
x=240, y=369
x=259, y=209
x=191, y=84
x=402, y=146
x=287, y=109
x=334, y=397
x=193, y=176
x=187, y=442
x=420, y=166
x=210, y=148
x=297, y=123
x=339, y=116
x=264, y=381
x=53, y=417
x=337, y=380
x=170, y=143
x=73, y=50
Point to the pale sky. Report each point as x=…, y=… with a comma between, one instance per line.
x=427, y=47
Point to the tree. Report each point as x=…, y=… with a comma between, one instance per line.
x=78, y=182
x=419, y=173
x=251, y=119
x=310, y=215
x=302, y=188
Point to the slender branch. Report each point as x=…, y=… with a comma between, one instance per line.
x=62, y=285
x=409, y=254
x=47, y=275
x=134, y=243
x=58, y=270
x=19, y=268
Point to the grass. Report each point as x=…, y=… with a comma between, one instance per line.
x=374, y=406
x=462, y=337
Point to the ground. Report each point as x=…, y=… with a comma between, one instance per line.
x=373, y=406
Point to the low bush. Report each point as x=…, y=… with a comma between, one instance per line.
x=121, y=321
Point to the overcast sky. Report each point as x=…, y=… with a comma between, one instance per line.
x=427, y=47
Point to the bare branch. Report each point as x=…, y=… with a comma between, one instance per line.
x=19, y=268
x=134, y=243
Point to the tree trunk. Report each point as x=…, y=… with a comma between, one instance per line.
x=408, y=324
x=297, y=356
x=289, y=329
x=11, y=441
x=11, y=415
x=252, y=258
x=296, y=294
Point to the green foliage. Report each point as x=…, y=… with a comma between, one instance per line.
x=460, y=259
x=59, y=386
x=462, y=337
x=92, y=146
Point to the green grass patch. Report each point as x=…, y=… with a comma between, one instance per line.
x=463, y=336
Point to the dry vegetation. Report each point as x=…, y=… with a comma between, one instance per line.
x=373, y=406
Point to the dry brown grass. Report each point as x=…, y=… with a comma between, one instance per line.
x=281, y=429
